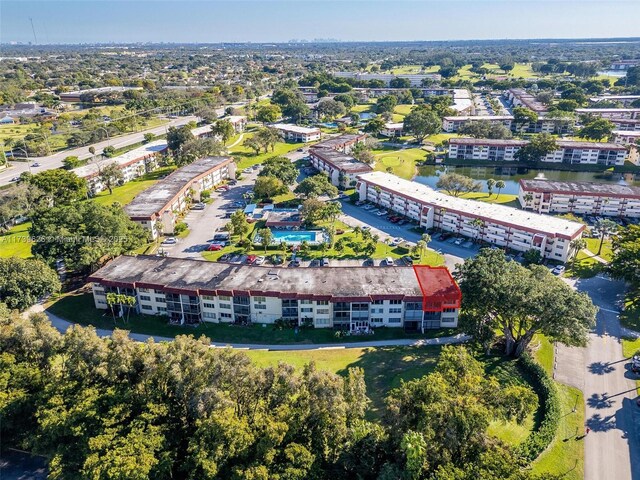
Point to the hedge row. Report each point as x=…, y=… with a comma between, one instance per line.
x=546, y=389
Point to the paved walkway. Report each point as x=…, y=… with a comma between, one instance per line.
x=612, y=449
x=62, y=325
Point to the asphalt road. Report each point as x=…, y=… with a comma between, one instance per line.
x=55, y=160
x=612, y=448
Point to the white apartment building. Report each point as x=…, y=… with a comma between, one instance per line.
x=392, y=130
x=622, y=137
x=349, y=298
x=416, y=79
x=625, y=100
x=521, y=98
x=239, y=122
x=342, y=143
x=569, y=152
x=611, y=113
x=132, y=164
x=296, y=133
x=203, y=132
x=341, y=168
x=494, y=224
x=453, y=124
x=626, y=124
x=583, y=198
x=164, y=200
x=463, y=103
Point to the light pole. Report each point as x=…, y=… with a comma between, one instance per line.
x=107, y=133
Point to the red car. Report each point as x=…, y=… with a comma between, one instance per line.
x=251, y=259
x=214, y=247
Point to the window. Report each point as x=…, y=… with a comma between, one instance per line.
x=208, y=297
x=224, y=297
x=260, y=306
x=225, y=315
x=305, y=302
x=260, y=299
x=395, y=302
x=448, y=310
x=209, y=315
x=143, y=290
x=322, y=321
x=160, y=299
x=395, y=310
x=162, y=309
x=209, y=305
x=146, y=298
x=395, y=320
x=226, y=306
x=378, y=302
x=306, y=310
x=322, y=311
x=376, y=320
x=102, y=302
x=322, y=302
x=146, y=307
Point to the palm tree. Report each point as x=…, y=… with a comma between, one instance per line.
x=357, y=231
x=426, y=238
x=158, y=227
x=606, y=227
x=284, y=247
x=490, y=184
x=479, y=224
x=500, y=185
x=576, y=245
x=528, y=198
x=112, y=301
x=421, y=246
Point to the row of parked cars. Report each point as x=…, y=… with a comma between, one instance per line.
x=381, y=212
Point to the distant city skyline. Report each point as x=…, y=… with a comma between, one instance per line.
x=214, y=21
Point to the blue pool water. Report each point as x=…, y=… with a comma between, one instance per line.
x=295, y=237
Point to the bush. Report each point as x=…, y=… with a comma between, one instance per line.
x=205, y=195
x=179, y=228
x=543, y=385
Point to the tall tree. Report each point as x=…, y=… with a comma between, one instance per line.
x=224, y=129
x=501, y=295
x=315, y=186
x=110, y=176
x=24, y=281
x=456, y=184
x=539, y=147
x=238, y=224
x=421, y=122
x=281, y=168
x=597, y=129
x=625, y=264
x=59, y=187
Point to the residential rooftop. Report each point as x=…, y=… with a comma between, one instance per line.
x=466, y=118
x=212, y=277
x=289, y=127
x=203, y=130
x=528, y=100
x=123, y=160
x=155, y=199
x=614, y=98
x=341, y=161
x=525, y=220
x=608, y=110
x=587, y=188
x=340, y=140
x=520, y=143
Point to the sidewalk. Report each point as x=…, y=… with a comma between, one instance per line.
x=62, y=325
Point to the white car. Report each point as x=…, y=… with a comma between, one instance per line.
x=381, y=213
x=260, y=260
x=389, y=261
x=169, y=241
x=558, y=270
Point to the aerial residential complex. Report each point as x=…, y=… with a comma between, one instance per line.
x=76, y=95
x=165, y=200
x=295, y=133
x=495, y=224
x=584, y=198
x=544, y=124
x=611, y=113
x=416, y=79
x=349, y=298
x=626, y=124
x=392, y=129
x=342, y=143
x=626, y=137
x=569, y=152
x=625, y=100
x=331, y=157
x=521, y=98
x=133, y=164
x=453, y=124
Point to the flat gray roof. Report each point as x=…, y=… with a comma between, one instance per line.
x=587, y=188
x=155, y=198
x=340, y=160
x=340, y=140
x=188, y=274
x=520, y=143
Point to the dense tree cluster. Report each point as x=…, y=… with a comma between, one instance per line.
x=113, y=408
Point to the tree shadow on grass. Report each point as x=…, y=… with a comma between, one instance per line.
x=585, y=269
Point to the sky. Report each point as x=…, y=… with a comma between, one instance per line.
x=213, y=21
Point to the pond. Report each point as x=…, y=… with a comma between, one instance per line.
x=429, y=175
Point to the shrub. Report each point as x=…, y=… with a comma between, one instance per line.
x=543, y=385
x=205, y=195
x=179, y=228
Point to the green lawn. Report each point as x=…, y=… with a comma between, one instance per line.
x=402, y=162
x=565, y=455
x=124, y=194
x=16, y=243
x=363, y=107
x=248, y=157
x=630, y=316
x=594, y=243
x=502, y=199
x=403, y=109
x=439, y=138
x=583, y=266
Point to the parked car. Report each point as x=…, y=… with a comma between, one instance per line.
x=389, y=261
x=459, y=241
x=169, y=241
x=407, y=260
x=198, y=206
x=558, y=270
x=214, y=247
x=366, y=227
x=247, y=170
x=221, y=236
x=381, y=213
x=402, y=221
x=233, y=182
x=324, y=262
x=314, y=263
x=276, y=259
x=224, y=257
x=296, y=262
x=251, y=259
x=260, y=260
x=368, y=262
x=15, y=179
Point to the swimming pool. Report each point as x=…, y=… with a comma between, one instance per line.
x=295, y=237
